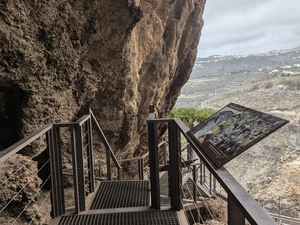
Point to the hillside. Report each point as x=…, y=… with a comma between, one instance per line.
x=245, y=63
x=270, y=169
x=216, y=75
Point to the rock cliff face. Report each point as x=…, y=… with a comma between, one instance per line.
x=117, y=57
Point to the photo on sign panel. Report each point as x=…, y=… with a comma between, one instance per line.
x=232, y=130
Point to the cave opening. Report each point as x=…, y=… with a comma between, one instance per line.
x=11, y=101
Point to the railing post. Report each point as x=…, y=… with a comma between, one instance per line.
x=89, y=140
x=204, y=175
x=74, y=165
x=108, y=163
x=235, y=217
x=80, y=167
x=165, y=153
x=189, y=152
x=78, y=170
x=154, y=169
x=214, y=186
x=141, y=168
x=57, y=193
x=210, y=183
x=119, y=174
x=175, y=176
x=195, y=183
x=201, y=172
x=279, y=207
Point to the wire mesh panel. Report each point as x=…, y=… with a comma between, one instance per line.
x=119, y=194
x=165, y=217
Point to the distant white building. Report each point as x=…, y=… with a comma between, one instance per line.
x=286, y=67
x=297, y=65
x=288, y=72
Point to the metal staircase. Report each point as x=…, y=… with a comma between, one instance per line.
x=121, y=203
x=163, y=199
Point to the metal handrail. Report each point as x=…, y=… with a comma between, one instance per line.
x=51, y=133
x=241, y=204
x=104, y=140
x=98, y=129
x=15, y=148
x=248, y=206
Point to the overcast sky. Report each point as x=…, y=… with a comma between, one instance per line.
x=249, y=26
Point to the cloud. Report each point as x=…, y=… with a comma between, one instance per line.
x=249, y=26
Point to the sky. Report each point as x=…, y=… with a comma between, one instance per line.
x=238, y=27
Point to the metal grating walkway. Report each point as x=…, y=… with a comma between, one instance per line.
x=165, y=217
x=122, y=194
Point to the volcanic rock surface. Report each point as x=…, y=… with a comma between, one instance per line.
x=117, y=57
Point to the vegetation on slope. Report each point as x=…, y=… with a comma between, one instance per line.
x=189, y=115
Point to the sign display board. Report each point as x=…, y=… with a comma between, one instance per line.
x=232, y=130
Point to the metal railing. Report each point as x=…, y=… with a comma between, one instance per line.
x=79, y=138
x=241, y=205
x=24, y=195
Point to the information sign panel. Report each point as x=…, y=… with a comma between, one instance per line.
x=232, y=130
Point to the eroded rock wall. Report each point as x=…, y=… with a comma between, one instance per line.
x=117, y=57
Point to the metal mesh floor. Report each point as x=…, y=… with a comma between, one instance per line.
x=128, y=218
x=121, y=194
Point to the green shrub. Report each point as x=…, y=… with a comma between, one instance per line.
x=190, y=115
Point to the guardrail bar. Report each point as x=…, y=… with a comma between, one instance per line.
x=13, y=149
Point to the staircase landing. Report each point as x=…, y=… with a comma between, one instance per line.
x=122, y=203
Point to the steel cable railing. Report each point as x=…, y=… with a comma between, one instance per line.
x=188, y=194
x=32, y=199
x=70, y=148
x=190, y=210
x=60, y=138
x=47, y=197
x=22, y=187
x=241, y=205
x=219, y=204
x=273, y=204
x=185, y=188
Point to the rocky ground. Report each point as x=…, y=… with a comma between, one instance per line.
x=200, y=89
x=270, y=169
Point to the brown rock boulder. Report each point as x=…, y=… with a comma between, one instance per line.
x=117, y=57
x=20, y=185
